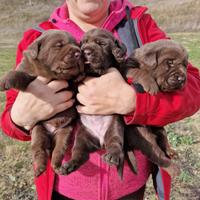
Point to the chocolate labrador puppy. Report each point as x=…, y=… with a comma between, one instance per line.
x=101, y=51
x=56, y=56
x=157, y=66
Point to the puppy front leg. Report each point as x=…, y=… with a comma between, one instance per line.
x=114, y=142
x=15, y=79
x=40, y=145
x=84, y=144
x=144, y=78
x=61, y=141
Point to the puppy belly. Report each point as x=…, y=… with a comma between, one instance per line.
x=97, y=125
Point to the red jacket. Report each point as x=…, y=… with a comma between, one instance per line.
x=158, y=110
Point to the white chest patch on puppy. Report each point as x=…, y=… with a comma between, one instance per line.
x=97, y=125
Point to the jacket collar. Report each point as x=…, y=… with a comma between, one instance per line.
x=60, y=17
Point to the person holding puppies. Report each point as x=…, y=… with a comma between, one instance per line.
x=108, y=94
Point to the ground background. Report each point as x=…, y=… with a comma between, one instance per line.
x=179, y=18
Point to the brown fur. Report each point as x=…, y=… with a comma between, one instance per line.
x=56, y=56
x=101, y=51
x=157, y=66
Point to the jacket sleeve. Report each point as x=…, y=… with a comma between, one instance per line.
x=7, y=125
x=165, y=108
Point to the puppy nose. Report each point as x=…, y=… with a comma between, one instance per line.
x=77, y=55
x=181, y=79
x=87, y=53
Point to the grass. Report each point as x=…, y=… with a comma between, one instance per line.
x=190, y=41
x=174, y=15
x=15, y=158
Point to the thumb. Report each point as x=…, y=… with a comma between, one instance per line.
x=112, y=69
x=43, y=79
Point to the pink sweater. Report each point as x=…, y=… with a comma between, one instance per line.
x=96, y=180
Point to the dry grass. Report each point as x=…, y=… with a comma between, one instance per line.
x=175, y=15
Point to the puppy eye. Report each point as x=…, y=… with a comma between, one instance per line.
x=170, y=63
x=100, y=42
x=97, y=41
x=59, y=44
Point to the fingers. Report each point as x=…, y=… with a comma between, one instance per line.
x=43, y=79
x=64, y=96
x=65, y=105
x=86, y=110
x=82, y=88
x=89, y=80
x=41, y=85
x=92, y=110
x=112, y=69
x=57, y=85
x=82, y=99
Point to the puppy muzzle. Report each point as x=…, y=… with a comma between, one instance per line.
x=174, y=82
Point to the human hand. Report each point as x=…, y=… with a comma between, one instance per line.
x=41, y=101
x=108, y=94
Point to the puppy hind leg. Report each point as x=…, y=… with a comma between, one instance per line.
x=163, y=142
x=40, y=145
x=173, y=169
x=61, y=141
x=114, y=142
x=83, y=145
x=115, y=156
x=147, y=143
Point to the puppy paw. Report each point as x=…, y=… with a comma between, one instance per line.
x=173, y=170
x=4, y=85
x=172, y=154
x=68, y=167
x=119, y=55
x=116, y=159
x=56, y=168
x=39, y=170
x=112, y=158
x=151, y=88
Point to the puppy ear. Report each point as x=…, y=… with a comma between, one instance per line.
x=119, y=51
x=131, y=61
x=33, y=49
x=146, y=59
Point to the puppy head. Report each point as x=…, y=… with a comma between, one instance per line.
x=166, y=61
x=101, y=51
x=55, y=55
